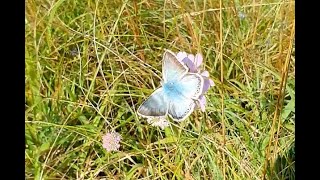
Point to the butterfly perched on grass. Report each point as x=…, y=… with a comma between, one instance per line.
x=179, y=92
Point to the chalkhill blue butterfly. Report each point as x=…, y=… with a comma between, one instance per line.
x=178, y=94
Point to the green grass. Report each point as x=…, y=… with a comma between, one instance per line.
x=90, y=64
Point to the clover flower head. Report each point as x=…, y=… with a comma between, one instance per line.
x=242, y=15
x=161, y=122
x=111, y=141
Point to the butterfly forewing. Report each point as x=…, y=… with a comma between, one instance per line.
x=172, y=69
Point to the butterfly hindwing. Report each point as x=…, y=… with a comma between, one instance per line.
x=155, y=106
x=180, y=108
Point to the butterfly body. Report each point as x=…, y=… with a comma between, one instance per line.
x=177, y=95
x=171, y=90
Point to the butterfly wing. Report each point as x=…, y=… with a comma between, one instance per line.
x=155, y=106
x=190, y=85
x=172, y=68
x=180, y=108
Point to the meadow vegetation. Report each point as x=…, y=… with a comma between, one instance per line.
x=90, y=64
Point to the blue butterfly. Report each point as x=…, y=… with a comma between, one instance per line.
x=178, y=94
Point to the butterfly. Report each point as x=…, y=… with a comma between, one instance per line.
x=178, y=94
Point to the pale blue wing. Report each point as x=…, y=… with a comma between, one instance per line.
x=180, y=107
x=190, y=85
x=172, y=68
x=155, y=106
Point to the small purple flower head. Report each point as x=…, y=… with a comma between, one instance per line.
x=111, y=141
x=158, y=121
x=193, y=63
x=74, y=52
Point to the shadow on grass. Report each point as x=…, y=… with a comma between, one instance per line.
x=284, y=167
